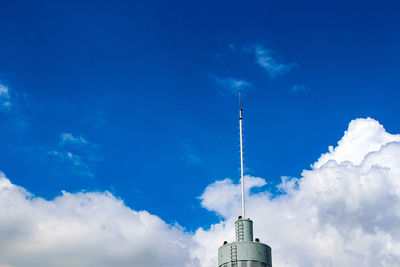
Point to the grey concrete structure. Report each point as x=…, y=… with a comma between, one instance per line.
x=244, y=252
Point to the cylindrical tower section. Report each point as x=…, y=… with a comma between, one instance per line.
x=244, y=230
x=244, y=252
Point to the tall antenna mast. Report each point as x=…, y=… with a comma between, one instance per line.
x=241, y=154
x=245, y=250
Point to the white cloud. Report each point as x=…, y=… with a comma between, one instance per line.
x=363, y=136
x=5, y=98
x=269, y=61
x=230, y=84
x=219, y=195
x=68, y=138
x=84, y=229
x=344, y=211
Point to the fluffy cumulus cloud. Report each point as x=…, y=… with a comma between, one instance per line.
x=84, y=229
x=343, y=211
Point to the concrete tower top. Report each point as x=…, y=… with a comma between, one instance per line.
x=244, y=230
x=244, y=251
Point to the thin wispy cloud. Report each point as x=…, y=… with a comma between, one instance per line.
x=232, y=47
x=270, y=61
x=5, y=98
x=98, y=119
x=77, y=164
x=189, y=153
x=14, y=105
x=68, y=138
x=230, y=84
x=73, y=154
x=78, y=152
x=299, y=88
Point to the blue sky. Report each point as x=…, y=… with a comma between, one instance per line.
x=137, y=98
